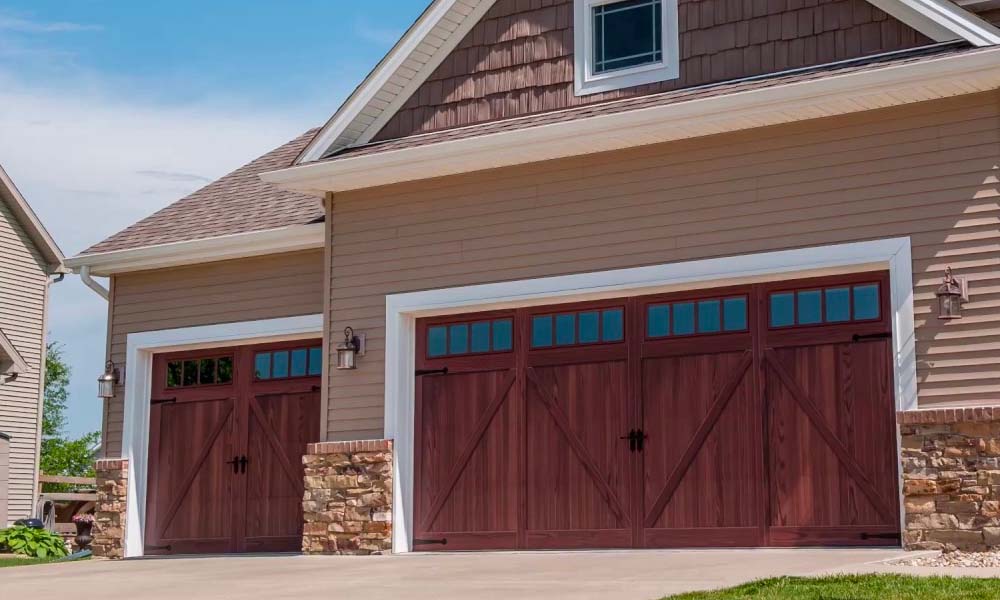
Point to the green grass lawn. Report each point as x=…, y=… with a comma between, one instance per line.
x=7, y=560
x=857, y=587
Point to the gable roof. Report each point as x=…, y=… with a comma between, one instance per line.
x=445, y=22
x=237, y=203
x=11, y=362
x=29, y=221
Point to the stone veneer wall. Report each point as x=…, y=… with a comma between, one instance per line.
x=347, y=504
x=951, y=478
x=109, y=514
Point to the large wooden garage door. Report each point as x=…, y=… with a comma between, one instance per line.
x=748, y=416
x=228, y=428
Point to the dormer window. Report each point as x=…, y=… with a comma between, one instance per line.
x=624, y=43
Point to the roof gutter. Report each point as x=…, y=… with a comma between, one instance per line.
x=89, y=281
x=241, y=245
x=892, y=85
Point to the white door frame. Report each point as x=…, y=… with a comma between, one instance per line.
x=140, y=348
x=402, y=311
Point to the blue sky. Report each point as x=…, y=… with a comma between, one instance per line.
x=110, y=110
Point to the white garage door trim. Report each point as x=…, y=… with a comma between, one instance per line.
x=402, y=311
x=140, y=348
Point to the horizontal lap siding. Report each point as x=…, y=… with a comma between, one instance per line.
x=268, y=287
x=927, y=171
x=23, y=289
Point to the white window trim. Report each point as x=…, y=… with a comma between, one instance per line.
x=402, y=311
x=140, y=348
x=587, y=82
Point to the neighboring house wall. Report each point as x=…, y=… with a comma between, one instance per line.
x=4, y=474
x=23, y=289
x=519, y=58
x=927, y=171
x=280, y=285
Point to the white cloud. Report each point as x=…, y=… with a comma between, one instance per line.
x=91, y=162
x=25, y=25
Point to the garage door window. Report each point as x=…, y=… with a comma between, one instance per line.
x=199, y=372
x=711, y=315
x=825, y=305
x=578, y=328
x=284, y=364
x=477, y=337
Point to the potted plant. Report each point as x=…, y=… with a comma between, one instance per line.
x=84, y=527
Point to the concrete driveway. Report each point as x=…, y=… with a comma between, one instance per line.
x=631, y=575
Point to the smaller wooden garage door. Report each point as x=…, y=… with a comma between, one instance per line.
x=757, y=415
x=228, y=428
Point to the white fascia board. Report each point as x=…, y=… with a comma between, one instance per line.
x=941, y=20
x=241, y=245
x=926, y=79
x=386, y=69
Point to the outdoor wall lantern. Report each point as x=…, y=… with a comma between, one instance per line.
x=349, y=349
x=107, y=381
x=951, y=295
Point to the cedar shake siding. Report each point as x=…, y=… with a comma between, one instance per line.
x=518, y=59
x=23, y=290
x=248, y=289
x=927, y=171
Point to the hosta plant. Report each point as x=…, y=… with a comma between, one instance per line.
x=36, y=543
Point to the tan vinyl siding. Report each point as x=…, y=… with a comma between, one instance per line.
x=927, y=171
x=23, y=289
x=249, y=289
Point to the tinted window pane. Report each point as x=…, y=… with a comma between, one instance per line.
x=458, y=339
x=299, y=359
x=866, y=301
x=190, y=372
x=174, y=373
x=709, y=320
x=565, y=329
x=590, y=327
x=838, y=304
x=810, y=307
x=683, y=318
x=541, y=331
x=613, y=325
x=316, y=361
x=627, y=34
x=225, y=370
x=782, y=309
x=437, y=341
x=206, y=370
x=734, y=314
x=480, y=341
x=503, y=338
x=262, y=365
x=658, y=321
x=280, y=364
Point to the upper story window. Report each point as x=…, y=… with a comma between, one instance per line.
x=624, y=43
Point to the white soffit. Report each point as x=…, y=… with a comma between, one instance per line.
x=445, y=22
x=927, y=79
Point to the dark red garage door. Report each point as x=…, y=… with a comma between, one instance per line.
x=228, y=428
x=748, y=416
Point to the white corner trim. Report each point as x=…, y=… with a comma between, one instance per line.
x=239, y=245
x=140, y=348
x=849, y=92
x=941, y=20
x=585, y=81
x=402, y=311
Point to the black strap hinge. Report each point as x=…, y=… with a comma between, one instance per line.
x=164, y=401
x=880, y=536
x=441, y=371
x=871, y=336
x=441, y=542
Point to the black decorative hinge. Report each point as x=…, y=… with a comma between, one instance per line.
x=168, y=547
x=871, y=336
x=441, y=542
x=441, y=371
x=880, y=536
x=164, y=401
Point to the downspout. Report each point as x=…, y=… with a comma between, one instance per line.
x=92, y=284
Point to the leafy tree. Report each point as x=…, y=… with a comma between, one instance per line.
x=61, y=455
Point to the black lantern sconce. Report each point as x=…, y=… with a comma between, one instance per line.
x=951, y=295
x=348, y=350
x=107, y=381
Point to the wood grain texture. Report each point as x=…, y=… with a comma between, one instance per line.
x=518, y=59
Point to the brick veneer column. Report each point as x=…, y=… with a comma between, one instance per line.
x=951, y=478
x=347, y=505
x=109, y=514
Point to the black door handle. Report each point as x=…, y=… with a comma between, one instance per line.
x=636, y=440
x=243, y=464
x=631, y=440
x=236, y=464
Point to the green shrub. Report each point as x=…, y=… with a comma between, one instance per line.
x=36, y=543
